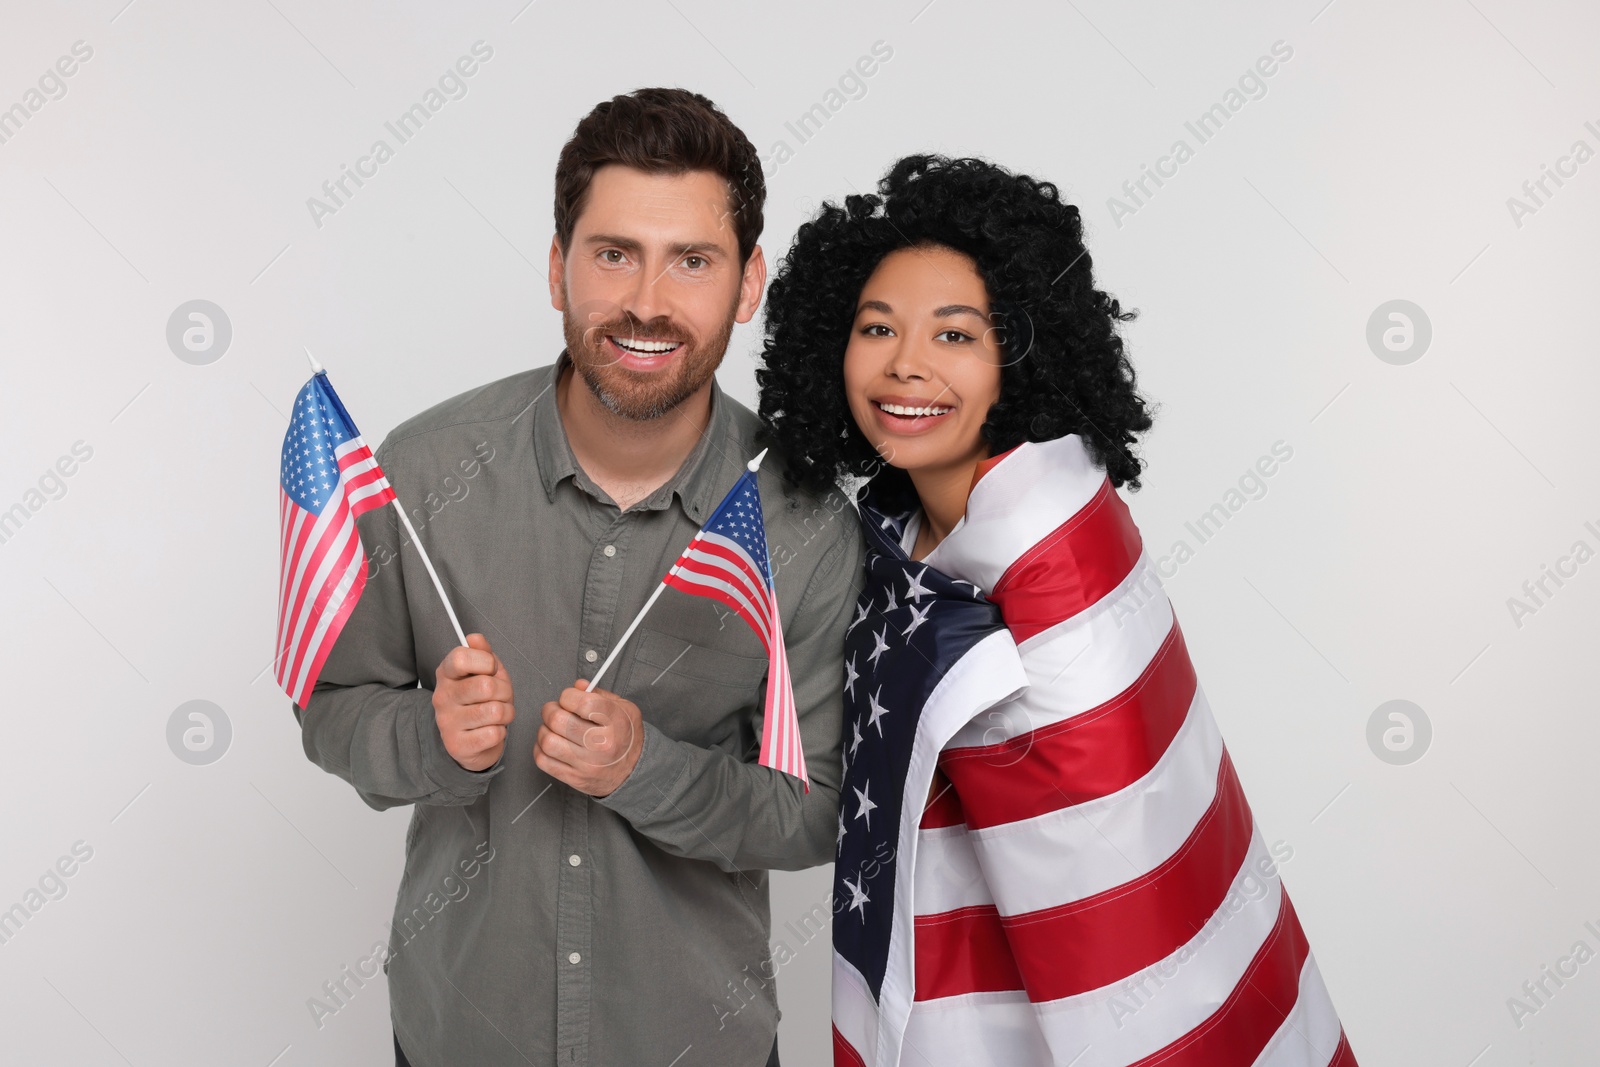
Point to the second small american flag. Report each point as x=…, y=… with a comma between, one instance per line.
x=727, y=561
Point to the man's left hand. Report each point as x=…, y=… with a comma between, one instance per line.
x=590, y=741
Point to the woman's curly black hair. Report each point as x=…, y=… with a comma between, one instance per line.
x=1065, y=371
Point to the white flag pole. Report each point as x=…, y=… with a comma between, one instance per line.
x=317, y=368
x=594, y=683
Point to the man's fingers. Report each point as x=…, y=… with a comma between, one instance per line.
x=475, y=742
x=489, y=713
x=557, y=748
x=462, y=662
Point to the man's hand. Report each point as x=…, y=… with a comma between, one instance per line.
x=589, y=741
x=472, y=704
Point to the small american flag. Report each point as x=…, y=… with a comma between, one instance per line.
x=328, y=477
x=727, y=561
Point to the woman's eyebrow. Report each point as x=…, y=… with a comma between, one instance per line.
x=958, y=309
x=875, y=305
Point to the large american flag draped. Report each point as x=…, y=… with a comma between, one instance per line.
x=328, y=477
x=1045, y=856
x=727, y=561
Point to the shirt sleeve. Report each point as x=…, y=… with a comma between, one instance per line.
x=369, y=722
x=708, y=805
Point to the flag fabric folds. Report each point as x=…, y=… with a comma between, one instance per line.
x=328, y=477
x=1045, y=854
x=727, y=561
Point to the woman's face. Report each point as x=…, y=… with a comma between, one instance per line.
x=923, y=364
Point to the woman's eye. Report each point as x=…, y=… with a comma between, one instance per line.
x=876, y=329
x=952, y=336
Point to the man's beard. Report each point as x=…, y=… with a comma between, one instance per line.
x=641, y=395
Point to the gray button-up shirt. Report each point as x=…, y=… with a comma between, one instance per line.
x=534, y=924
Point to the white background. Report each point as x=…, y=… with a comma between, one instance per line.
x=1377, y=566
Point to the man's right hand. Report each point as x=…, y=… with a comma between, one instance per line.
x=472, y=704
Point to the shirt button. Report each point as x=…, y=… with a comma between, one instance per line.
x=574, y=958
x=574, y=859
x=591, y=655
x=611, y=550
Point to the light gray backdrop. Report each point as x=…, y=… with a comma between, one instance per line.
x=1443, y=849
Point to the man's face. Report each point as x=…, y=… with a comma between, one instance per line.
x=651, y=286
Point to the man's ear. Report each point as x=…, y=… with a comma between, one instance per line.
x=557, y=276
x=752, y=285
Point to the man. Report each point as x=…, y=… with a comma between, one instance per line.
x=585, y=872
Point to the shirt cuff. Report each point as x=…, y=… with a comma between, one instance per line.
x=442, y=768
x=662, y=761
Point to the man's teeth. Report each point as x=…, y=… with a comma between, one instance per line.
x=901, y=409
x=645, y=347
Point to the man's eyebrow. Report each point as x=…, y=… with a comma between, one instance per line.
x=613, y=239
x=682, y=248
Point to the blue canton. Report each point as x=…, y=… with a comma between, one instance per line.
x=310, y=470
x=738, y=518
x=912, y=624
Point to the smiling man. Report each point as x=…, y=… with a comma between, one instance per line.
x=598, y=895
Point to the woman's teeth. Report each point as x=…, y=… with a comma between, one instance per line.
x=901, y=409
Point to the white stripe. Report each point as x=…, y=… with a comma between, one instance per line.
x=1135, y=1018
x=737, y=549
x=855, y=1014
x=980, y=1028
x=1076, y=852
x=312, y=584
x=342, y=584
x=300, y=517
x=1084, y=661
x=1113, y=839
x=1310, y=1035
x=990, y=671
x=740, y=592
x=947, y=871
x=1016, y=505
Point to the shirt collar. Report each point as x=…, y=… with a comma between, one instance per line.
x=706, y=473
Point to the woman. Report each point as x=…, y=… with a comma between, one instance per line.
x=1044, y=853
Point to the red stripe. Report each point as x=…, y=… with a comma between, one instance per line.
x=323, y=593
x=756, y=594
x=1343, y=1056
x=844, y=1053
x=1090, y=755
x=1239, y=1030
x=963, y=951
x=313, y=554
x=737, y=561
x=717, y=594
x=1076, y=565
x=332, y=633
x=1102, y=939
x=945, y=807
x=290, y=586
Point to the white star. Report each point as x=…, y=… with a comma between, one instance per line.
x=841, y=830
x=850, y=676
x=915, y=589
x=882, y=646
x=918, y=617
x=867, y=806
x=892, y=603
x=861, y=617
x=855, y=728
x=858, y=896
x=878, y=711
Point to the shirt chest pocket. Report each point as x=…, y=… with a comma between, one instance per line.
x=707, y=696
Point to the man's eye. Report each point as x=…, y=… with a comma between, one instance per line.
x=612, y=255
x=694, y=262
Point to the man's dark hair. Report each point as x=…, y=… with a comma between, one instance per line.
x=662, y=131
